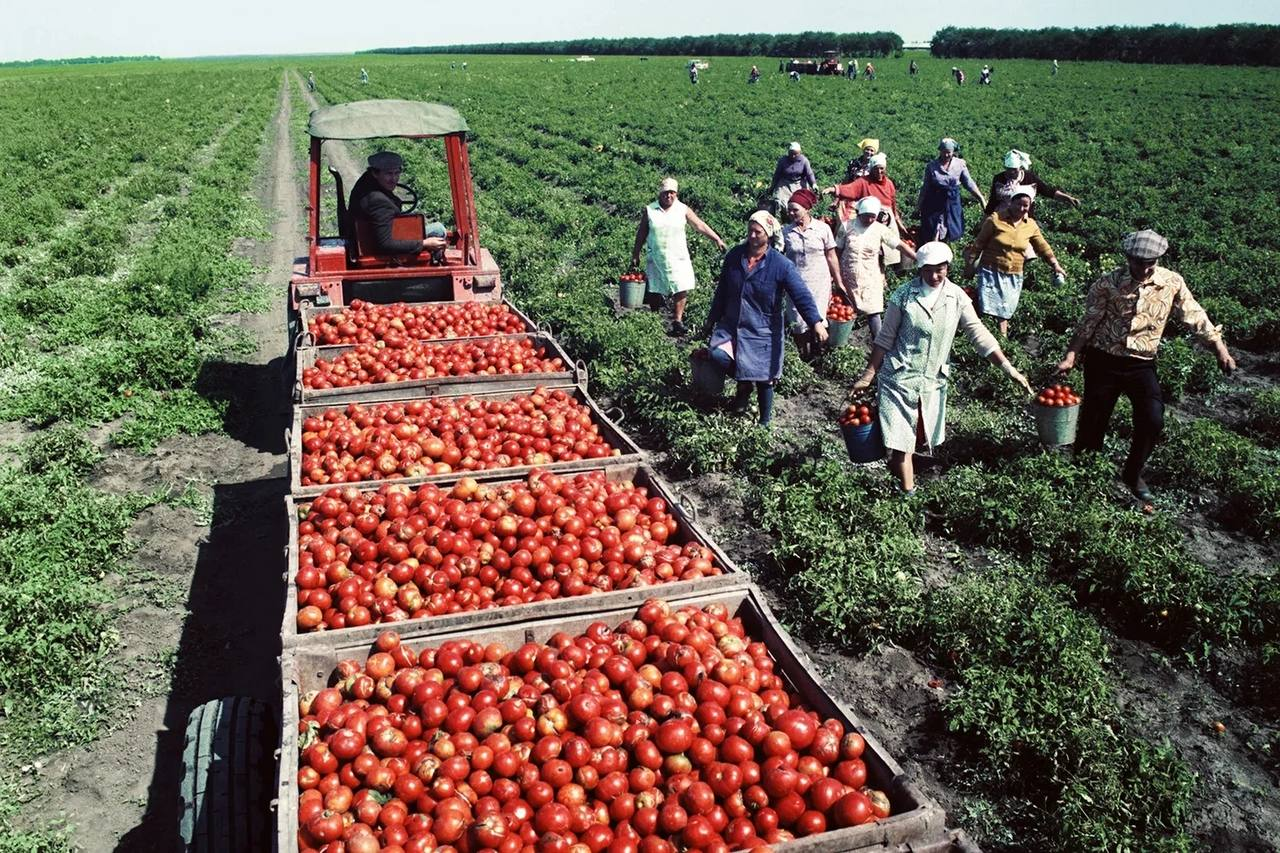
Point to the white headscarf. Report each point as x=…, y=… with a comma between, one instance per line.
x=1016, y=159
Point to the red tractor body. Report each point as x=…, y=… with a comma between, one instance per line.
x=336, y=264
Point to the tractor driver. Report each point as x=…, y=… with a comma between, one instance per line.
x=373, y=200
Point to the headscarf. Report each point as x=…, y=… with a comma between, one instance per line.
x=669, y=184
x=772, y=227
x=878, y=160
x=869, y=204
x=806, y=198
x=1016, y=159
x=873, y=144
x=947, y=144
x=1023, y=189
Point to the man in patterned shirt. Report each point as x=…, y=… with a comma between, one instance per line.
x=1124, y=319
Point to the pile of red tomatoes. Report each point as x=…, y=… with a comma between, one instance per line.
x=444, y=434
x=365, y=322
x=670, y=732
x=402, y=553
x=397, y=358
x=1059, y=396
x=632, y=276
x=861, y=409
x=840, y=311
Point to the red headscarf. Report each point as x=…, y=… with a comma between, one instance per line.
x=806, y=198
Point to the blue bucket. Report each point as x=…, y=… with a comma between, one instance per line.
x=864, y=442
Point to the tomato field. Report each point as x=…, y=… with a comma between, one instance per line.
x=1059, y=667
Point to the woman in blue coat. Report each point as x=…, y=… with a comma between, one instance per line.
x=746, y=313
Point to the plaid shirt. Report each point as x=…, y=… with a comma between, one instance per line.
x=1127, y=318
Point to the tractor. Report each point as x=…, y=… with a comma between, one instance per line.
x=340, y=267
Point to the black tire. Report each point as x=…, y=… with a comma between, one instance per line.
x=228, y=777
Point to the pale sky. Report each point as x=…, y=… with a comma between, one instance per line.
x=55, y=29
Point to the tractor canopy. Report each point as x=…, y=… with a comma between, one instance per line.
x=370, y=119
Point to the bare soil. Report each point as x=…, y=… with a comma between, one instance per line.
x=213, y=590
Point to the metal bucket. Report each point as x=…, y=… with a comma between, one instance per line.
x=708, y=378
x=838, y=332
x=864, y=442
x=1056, y=425
x=631, y=294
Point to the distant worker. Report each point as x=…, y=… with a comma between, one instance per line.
x=795, y=76
x=870, y=71
x=984, y=76
x=693, y=73
x=853, y=69
x=860, y=166
x=662, y=233
x=311, y=81
x=364, y=77
x=792, y=173
x=958, y=75
x=913, y=69
x=1054, y=72
x=1124, y=318
x=941, y=212
x=754, y=76
x=374, y=201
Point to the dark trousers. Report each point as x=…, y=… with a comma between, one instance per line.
x=764, y=390
x=1106, y=377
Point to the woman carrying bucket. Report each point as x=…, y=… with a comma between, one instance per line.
x=662, y=233
x=809, y=244
x=745, y=321
x=912, y=355
x=859, y=243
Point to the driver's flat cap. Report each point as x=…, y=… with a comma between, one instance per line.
x=386, y=160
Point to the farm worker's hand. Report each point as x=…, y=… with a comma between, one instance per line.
x=820, y=331
x=864, y=382
x=720, y=244
x=1068, y=362
x=1225, y=362
x=1016, y=376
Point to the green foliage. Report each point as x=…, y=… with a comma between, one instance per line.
x=1204, y=454
x=1134, y=566
x=1036, y=695
x=1264, y=417
x=851, y=552
x=61, y=446
x=1183, y=368
x=58, y=538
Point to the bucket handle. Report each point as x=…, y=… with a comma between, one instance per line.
x=687, y=504
x=304, y=339
x=615, y=414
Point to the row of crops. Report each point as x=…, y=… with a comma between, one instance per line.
x=123, y=191
x=1049, y=566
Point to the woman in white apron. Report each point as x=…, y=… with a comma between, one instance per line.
x=859, y=243
x=662, y=234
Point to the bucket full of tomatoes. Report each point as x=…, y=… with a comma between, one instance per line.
x=1057, y=411
x=708, y=377
x=840, y=316
x=860, y=426
x=631, y=289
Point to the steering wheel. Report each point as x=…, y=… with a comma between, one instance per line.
x=409, y=198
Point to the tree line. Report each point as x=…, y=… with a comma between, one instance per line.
x=79, y=60
x=808, y=44
x=1228, y=44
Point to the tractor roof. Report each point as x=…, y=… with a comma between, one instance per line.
x=368, y=119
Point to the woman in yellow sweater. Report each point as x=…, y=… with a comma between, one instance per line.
x=999, y=252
